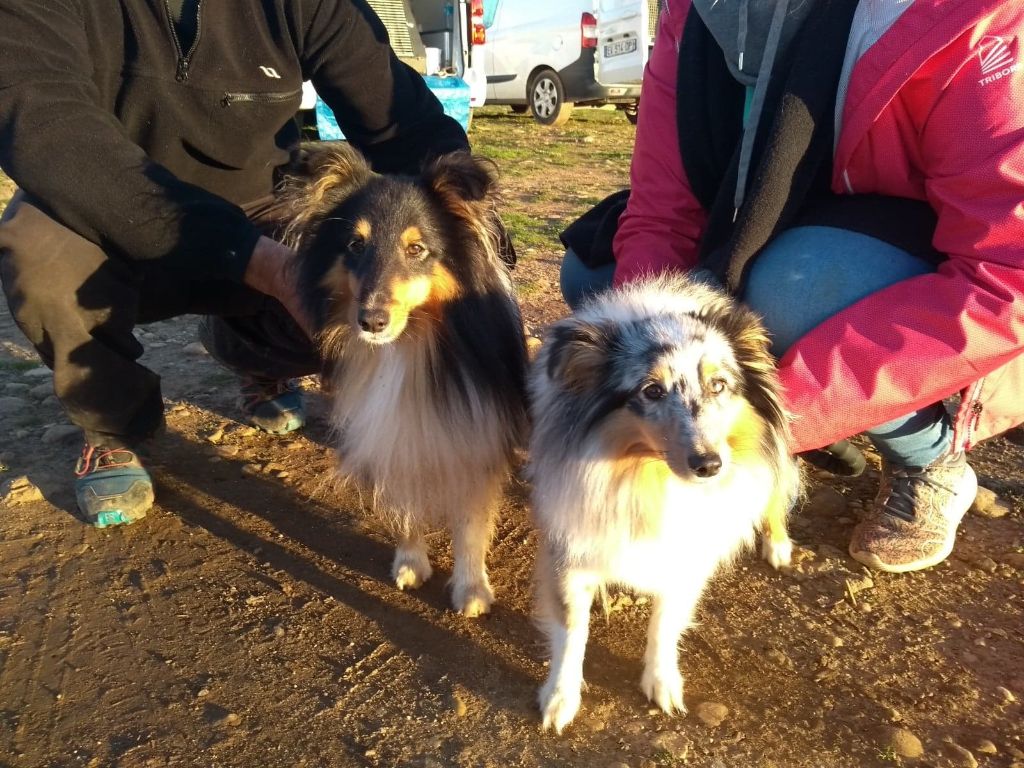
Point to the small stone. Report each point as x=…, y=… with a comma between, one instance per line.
x=41, y=391
x=985, y=563
x=60, y=433
x=988, y=504
x=278, y=631
x=273, y=466
x=1005, y=695
x=958, y=755
x=195, y=348
x=14, y=406
x=292, y=445
x=216, y=436
x=250, y=470
x=588, y=139
x=903, y=742
x=836, y=641
x=827, y=502
x=460, y=706
x=20, y=490
x=232, y=719
x=227, y=450
x=676, y=745
x=711, y=713
x=36, y=373
x=284, y=473
x=203, y=693
x=865, y=607
x=985, y=747
x=370, y=752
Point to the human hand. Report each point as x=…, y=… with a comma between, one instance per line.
x=272, y=270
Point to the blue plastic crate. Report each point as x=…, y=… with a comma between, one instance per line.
x=452, y=92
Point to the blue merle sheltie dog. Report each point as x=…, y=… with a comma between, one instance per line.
x=659, y=445
x=423, y=347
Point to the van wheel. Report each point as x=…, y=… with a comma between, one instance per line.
x=632, y=112
x=547, y=99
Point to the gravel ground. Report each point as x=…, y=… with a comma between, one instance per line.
x=249, y=621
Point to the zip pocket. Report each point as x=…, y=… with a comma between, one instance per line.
x=271, y=97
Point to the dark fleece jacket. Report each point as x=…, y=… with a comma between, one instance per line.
x=148, y=150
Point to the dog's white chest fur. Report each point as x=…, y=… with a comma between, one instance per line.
x=622, y=537
x=397, y=438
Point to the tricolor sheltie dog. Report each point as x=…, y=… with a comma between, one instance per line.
x=423, y=348
x=659, y=445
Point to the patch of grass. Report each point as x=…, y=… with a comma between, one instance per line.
x=527, y=288
x=530, y=232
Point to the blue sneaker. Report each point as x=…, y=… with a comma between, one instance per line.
x=111, y=486
x=273, y=405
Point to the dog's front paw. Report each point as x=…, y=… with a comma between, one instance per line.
x=779, y=554
x=410, y=569
x=558, y=705
x=473, y=599
x=664, y=687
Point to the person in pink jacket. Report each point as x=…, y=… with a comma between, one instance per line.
x=854, y=171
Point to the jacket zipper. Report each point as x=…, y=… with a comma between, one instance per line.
x=258, y=98
x=184, y=59
x=975, y=408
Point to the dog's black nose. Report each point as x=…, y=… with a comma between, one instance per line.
x=705, y=464
x=374, y=320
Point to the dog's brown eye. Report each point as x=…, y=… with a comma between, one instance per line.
x=654, y=392
x=717, y=386
x=415, y=251
x=356, y=245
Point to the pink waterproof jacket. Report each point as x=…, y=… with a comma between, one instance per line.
x=934, y=112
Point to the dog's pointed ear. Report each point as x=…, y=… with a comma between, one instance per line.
x=462, y=177
x=317, y=178
x=578, y=354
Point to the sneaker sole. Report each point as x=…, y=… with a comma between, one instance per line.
x=873, y=561
x=99, y=513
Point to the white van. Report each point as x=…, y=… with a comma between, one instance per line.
x=541, y=56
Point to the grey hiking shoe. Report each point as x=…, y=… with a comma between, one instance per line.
x=912, y=523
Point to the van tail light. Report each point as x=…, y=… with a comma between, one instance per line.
x=588, y=31
x=476, y=15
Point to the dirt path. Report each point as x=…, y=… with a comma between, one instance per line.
x=248, y=620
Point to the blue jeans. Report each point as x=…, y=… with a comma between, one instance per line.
x=803, y=277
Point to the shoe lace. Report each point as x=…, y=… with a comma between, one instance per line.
x=96, y=457
x=905, y=484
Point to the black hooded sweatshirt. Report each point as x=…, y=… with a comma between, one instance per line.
x=148, y=147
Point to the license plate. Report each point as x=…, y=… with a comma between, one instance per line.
x=619, y=47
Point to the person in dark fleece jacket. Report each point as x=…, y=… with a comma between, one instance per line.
x=146, y=138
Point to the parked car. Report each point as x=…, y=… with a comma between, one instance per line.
x=541, y=55
x=625, y=35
